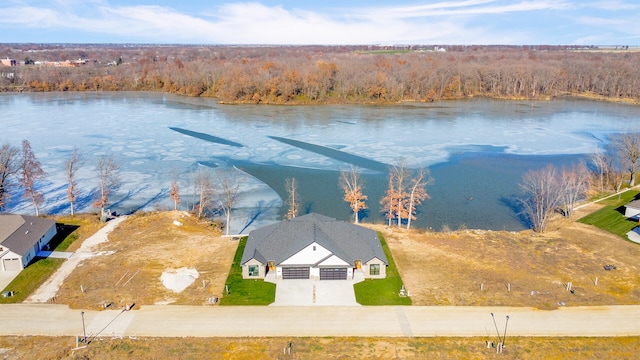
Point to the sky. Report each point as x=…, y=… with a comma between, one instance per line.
x=323, y=22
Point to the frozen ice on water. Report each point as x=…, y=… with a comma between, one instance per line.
x=138, y=134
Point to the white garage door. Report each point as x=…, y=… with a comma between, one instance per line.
x=12, y=264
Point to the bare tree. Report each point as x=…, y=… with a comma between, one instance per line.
x=542, y=194
x=229, y=188
x=389, y=202
x=202, y=191
x=9, y=166
x=400, y=174
x=71, y=166
x=291, y=185
x=601, y=163
x=417, y=193
x=109, y=177
x=31, y=174
x=628, y=147
x=352, y=185
x=175, y=190
x=574, y=184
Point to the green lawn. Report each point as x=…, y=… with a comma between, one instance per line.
x=246, y=292
x=30, y=279
x=382, y=291
x=611, y=217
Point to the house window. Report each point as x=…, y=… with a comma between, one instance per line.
x=374, y=269
x=254, y=270
x=314, y=248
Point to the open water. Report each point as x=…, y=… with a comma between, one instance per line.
x=476, y=150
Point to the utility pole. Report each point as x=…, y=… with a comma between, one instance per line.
x=84, y=331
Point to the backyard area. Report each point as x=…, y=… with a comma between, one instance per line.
x=463, y=267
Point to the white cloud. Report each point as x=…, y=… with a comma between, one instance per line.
x=445, y=22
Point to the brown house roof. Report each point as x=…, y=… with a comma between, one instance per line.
x=20, y=233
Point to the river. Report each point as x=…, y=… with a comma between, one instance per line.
x=476, y=150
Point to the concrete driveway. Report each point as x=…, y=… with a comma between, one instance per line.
x=314, y=292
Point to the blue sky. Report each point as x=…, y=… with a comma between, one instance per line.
x=517, y=22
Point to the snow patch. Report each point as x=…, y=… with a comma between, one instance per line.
x=180, y=279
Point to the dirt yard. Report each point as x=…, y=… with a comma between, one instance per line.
x=475, y=267
x=463, y=267
x=139, y=251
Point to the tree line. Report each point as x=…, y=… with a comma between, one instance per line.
x=336, y=74
x=21, y=171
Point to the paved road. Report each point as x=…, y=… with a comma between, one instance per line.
x=392, y=321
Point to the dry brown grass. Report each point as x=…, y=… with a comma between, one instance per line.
x=143, y=247
x=87, y=224
x=318, y=348
x=450, y=268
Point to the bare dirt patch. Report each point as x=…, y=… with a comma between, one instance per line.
x=476, y=267
x=140, y=250
x=39, y=347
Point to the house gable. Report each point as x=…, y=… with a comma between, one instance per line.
x=21, y=237
x=333, y=261
x=311, y=254
x=632, y=209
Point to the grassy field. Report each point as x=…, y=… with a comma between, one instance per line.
x=382, y=291
x=319, y=348
x=611, y=217
x=246, y=292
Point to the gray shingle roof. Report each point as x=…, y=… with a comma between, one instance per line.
x=20, y=233
x=278, y=242
x=635, y=204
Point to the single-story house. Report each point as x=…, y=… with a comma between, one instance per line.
x=632, y=210
x=21, y=238
x=313, y=246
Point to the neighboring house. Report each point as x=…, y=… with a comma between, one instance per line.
x=8, y=62
x=632, y=210
x=21, y=238
x=313, y=246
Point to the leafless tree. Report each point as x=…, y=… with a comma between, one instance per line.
x=628, y=147
x=31, y=174
x=574, y=183
x=389, y=201
x=9, y=166
x=202, y=191
x=601, y=164
x=353, y=185
x=71, y=165
x=400, y=175
x=417, y=193
x=109, y=177
x=229, y=190
x=542, y=194
x=291, y=186
x=175, y=190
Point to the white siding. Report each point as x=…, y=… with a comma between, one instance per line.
x=631, y=212
x=334, y=261
x=308, y=256
x=10, y=255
